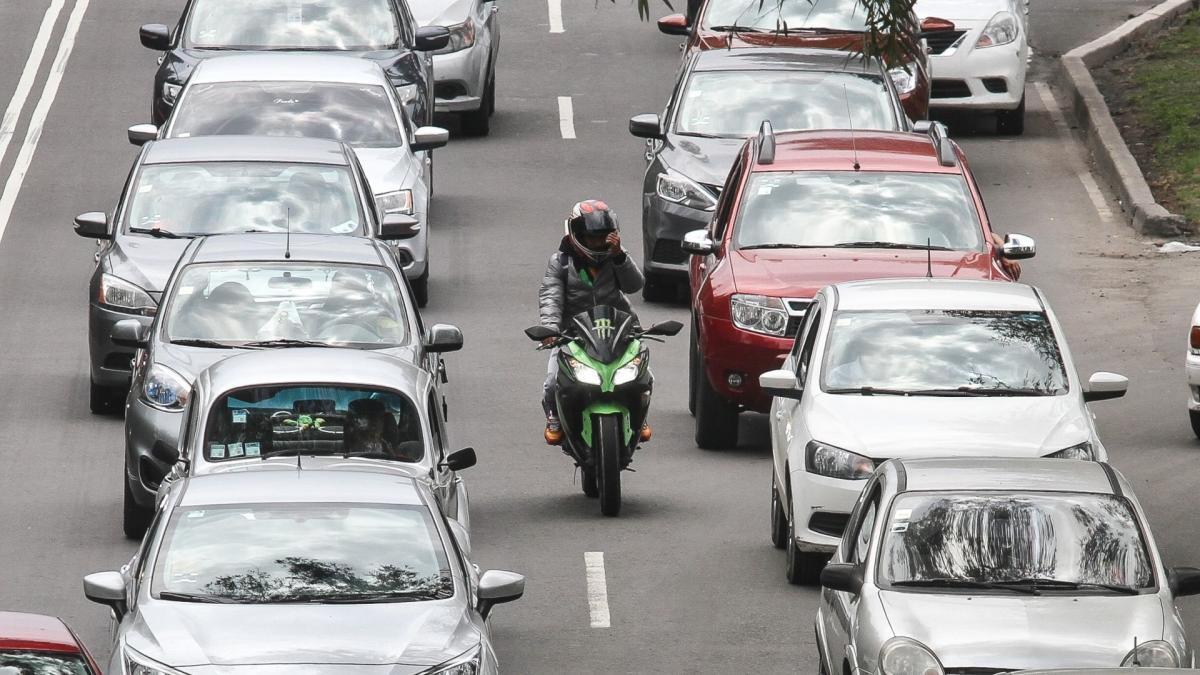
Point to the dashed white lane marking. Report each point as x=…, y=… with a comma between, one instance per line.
x=597, y=589
x=566, y=117
x=1085, y=176
x=13, y=186
x=16, y=105
x=556, y=24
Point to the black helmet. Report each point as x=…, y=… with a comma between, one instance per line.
x=593, y=218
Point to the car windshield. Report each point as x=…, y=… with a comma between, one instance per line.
x=27, y=662
x=355, y=25
x=733, y=104
x=944, y=351
x=311, y=552
x=239, y=303
x=811, y=209
x=258, y=422
x=202, y=198
x=359, y=114
x=832, y=15
x=1048, y=540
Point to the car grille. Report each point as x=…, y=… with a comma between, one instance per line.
x=797, y=308
x=668, y=251
x=943, y=40
x=831, y=524
x=950, y=89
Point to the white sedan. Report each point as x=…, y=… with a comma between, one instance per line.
x=1193, y=372
x=913, y=368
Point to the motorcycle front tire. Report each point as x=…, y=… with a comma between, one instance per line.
x=607, y=456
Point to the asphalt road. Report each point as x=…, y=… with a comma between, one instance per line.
x=693, y=584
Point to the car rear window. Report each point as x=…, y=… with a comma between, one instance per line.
x=27, y=662
x=357, y=25
x=838, y=15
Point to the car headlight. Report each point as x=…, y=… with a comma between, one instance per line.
x=1153, y=654
x=1001, y=30
x=164, y=388
x=1083, y=451
x=462, y=36
x=467, y=664
x=140, y=664
x=678, y=188
x=407, y=93
x=759, y=314
x=834, y=462
x=628, y=372
x=170, y=92
x=120, y=294
x=905, y=78
x=583, y=372
x=902, y=656
x=400, y=201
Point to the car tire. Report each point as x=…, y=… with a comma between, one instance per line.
x=135, y=519
x=658, y=288
x=1011, y=122
x=779, y=520
x=694, y=372
x=1195, y=415
x=105, y=400
x=479, y=122
x=716, y=418
x=803, y=568
x=420, y=287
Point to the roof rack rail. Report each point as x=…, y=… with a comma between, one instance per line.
x=766, y=143
x=940, y=136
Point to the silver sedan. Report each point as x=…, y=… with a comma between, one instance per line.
x=464, y=71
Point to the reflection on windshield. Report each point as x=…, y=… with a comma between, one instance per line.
x=21, y=662
x=303, y=552
x=847, y=15
x=236, y=303
x=293, y=24
x=358, y=114
x=932, y=350
x=734, y=103
x=229, y=197
x=1065, y=538
x=313, y=419
x=817, y=209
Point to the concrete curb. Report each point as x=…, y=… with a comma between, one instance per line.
x=1114, y=162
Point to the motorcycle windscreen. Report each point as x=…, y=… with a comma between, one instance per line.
x=605, y=332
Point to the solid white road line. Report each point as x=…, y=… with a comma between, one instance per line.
x=16, y=105
x=597, y=589
x=556, y=24
x=1085, y=175
x=566, y=117
x=13, y=186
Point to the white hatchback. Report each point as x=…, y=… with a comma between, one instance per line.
x=914, y=368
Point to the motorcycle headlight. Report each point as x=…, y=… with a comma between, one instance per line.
x=467, y=664
x=166, y=389
x=905, y=78
x=400, y=201
x=407, y=93
x=1001, y=30
x=834, y=462
x=462, y=36
x=170, y=92
x=583, y=372
x=678, y=188
x=1083, y=451
x=1153, y=654
x=120, y=294
x=140, y=664
x=628, y=372
x=902, y=656
x=759, y=314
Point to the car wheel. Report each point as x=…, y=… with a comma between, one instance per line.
x=479, y=122
x=420, y=287
x=1195, y=422
x=105, y=400
x=694, y=372
x=135, y=519
x=803, y=568
x=716, y=418
x=779, y=520
x=1011, y=122
x=658, y=288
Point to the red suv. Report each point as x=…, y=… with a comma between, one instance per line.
x=32, y=643
x=802, y=210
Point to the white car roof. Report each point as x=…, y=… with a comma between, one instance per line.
x=971, y=474
x=938, y=294
x=300, y=486
x=289, y=67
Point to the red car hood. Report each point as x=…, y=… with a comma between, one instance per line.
x=714, y=40
x=800, y=273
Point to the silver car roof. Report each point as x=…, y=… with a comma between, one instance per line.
x=260, y=246
x=785, y=58
x=289, y=67
x=301, y=486
x=1021, y=475
x=937, y=294
x=246, y=149
x=313, y=365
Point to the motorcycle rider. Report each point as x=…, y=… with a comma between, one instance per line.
x=589, y=268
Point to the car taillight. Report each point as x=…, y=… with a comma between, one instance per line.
x=1195, y=339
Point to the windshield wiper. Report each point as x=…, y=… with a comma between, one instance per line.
x=1074, y=585
x=1003, y=391
x=883, y=391
x=194, y=597
x=890, y=244
x=823, y=31
x=737, y=29
x=967, y=583
x=198, y=342
x=356, y=598
x=160, y=234
x=285, y=342
x=757, y=247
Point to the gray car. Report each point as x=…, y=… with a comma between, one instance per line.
x=998, y=565
x=189, y=187
x=302, y=570
x=721, y=97
x=249, y=292
x=464, y=71
x=340, y=98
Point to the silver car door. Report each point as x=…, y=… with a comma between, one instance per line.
x=843, y=607
x=442, y=478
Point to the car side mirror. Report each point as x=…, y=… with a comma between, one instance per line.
x=1104, y=386
x=673, y=24
x=697, y=242
x=443, y=337
x=141, y=134
x=781, y=383
x=933, y=25
x=1018, y=247
x=93, y=225
x=428, y=138
x=1184, y=581
x=398, y=226
x=432, y=38
x=463, y=459
x=155, y=36
x=646, y=125
x=666, y=328
x=539, y=333
x=498, y=586
x=106, y=588
x=130, y=333
x=844, y=577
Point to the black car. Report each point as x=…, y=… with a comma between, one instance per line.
x=721, y=98
x=380, y=30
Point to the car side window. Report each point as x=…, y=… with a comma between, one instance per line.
x=862, y=524
x=724, y=210
x=801, y=335
x=405, y=18
x=813, y=326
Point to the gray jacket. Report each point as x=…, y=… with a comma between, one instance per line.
x=564, y=293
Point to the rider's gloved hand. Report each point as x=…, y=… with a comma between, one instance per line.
x=614, y=242
x=549, y=342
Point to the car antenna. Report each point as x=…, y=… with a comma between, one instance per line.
x=287, y=246
x=299, y=466
x=850, y=121
x=1136, y=662
x=928, y=258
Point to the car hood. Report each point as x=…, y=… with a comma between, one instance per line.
x=440, y=12
x=376, y=634
x=704, y=160
x=1024, y=632
x=388, y=169
x=800, y=273
x=145, y=261
x=930, y=426
x=188, y=361
x=958, y=10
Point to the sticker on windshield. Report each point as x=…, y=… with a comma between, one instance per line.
x=900, y=522
x=239, y=416
x=235, y=450
x=345, y=228
x=216, y=451
x=252, y=450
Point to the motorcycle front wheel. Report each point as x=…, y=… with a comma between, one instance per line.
x=607, y=456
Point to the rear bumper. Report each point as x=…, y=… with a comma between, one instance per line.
x=730, y=351
x=663, y=226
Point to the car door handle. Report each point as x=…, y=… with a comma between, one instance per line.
x=779, y=415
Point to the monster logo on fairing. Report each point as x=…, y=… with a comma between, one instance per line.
x=603, y=328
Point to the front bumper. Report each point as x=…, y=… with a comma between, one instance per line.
x=821, y=506
x=460, y=78
x=663, y=225
x=967, y=78
x=110, y=364
x=729, y=350
x=146, y=426
x=1193, y=380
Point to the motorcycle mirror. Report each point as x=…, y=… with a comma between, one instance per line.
x=665, y=328
x=539, y=333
